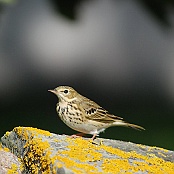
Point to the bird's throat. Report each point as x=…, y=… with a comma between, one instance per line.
x=63, y=104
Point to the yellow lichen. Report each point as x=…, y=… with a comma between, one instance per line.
x=75, y=166
x=156, y=148
x=82, y=150
x=7, y=133
x=82, y=156
x=85, y=151
x=37, y=154
x=25, y=132
x=13, y=170
x=14, y=167
x=37, y=157
x=6, y=149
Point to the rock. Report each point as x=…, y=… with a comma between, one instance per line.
x=9, y=163
x=45, y=152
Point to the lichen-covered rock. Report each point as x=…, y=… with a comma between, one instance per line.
x=9, y=163
x=44, y=152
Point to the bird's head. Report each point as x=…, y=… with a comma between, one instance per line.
x=65, y=93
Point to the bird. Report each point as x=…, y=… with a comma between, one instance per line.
x=84, y=115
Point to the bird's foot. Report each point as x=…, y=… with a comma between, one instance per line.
x=96, y=141
x=77, y=135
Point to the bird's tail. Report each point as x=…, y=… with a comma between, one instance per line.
x=123, y=123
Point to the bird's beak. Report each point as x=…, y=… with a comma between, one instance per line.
x=52, y=90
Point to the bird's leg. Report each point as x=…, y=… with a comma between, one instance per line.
x=96, y=143
x=94, y=136
x=93, y=142
x=77, y=135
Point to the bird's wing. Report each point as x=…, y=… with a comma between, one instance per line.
x=96, y=113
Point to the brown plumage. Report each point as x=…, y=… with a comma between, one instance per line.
x=83, y=114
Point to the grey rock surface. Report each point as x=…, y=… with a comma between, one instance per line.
x=9, y=163
x=45, y=152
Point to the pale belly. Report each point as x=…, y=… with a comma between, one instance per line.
x=75, y=120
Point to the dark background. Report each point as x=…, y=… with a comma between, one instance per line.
x=117, y=53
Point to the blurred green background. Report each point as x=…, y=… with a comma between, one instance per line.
x=118, y=53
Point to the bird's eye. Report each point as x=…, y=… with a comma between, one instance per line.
x=65, y=91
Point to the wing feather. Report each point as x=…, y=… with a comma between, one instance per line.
x=96, y=113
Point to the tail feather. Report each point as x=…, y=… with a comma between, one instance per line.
x=134, y=126
x=123, y=123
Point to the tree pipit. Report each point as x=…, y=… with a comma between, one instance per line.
x=83, y=114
